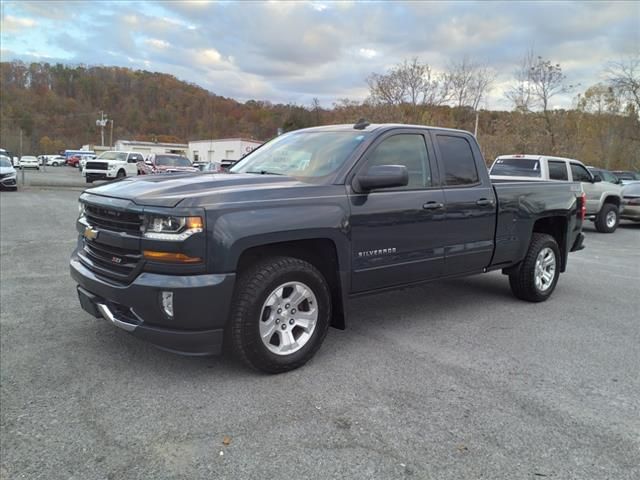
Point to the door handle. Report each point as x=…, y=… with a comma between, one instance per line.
x=432, y=206
x=484, y=202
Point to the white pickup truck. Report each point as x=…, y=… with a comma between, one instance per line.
x=112, y=164
x=603, y=198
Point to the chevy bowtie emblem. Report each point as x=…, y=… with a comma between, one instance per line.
x=90, y=233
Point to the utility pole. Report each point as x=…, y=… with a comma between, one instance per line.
x=102, y=122
x=22, y=169
x=475, y=130
x=111, y=135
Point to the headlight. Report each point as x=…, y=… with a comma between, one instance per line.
x=160, y=227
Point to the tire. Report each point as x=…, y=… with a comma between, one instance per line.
x=608, y=218
x=523, y=282
x=250, y=317
x=88, y=180
x=121, y=174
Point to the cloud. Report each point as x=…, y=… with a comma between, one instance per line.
x=16, y=24
x=295, y=51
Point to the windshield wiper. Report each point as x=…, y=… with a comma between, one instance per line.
x=265, y=172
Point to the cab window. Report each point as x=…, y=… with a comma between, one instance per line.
x=457, y=159
x=579, y=173
x=558, y=170
x=408, y=150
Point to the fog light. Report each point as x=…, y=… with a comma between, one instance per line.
x=167, y=303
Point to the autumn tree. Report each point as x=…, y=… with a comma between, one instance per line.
x=547, y=81
x=468, y=83
x=411, y=84
x=624, y=76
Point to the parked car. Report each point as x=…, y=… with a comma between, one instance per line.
x=631, y=202
x=605, y=175
x=603, y=198
x=216, y=166
x=270, y=255
x=56, y=161
x=73, y=161
x=626, y=176
x=166, y=163
x=29, y=161
x=111, y=165
x=7, y=174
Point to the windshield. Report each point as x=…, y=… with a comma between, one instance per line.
x=172, y=161
x=5, y=162
x=121, y=156
x=516, y=167
x=302, y=154
x=627, y=175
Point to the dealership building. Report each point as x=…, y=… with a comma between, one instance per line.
x=223, y=149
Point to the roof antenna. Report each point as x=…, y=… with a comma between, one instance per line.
x=361, y=124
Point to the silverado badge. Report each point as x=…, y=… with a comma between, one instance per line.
x=90, y=233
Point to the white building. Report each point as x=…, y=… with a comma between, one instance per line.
x=223, y=149
x=147, y=148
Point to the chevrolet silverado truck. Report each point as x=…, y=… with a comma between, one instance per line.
x=266, y=257
x=603, y=198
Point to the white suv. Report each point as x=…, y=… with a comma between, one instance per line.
x=603, y=198
x=112, y=164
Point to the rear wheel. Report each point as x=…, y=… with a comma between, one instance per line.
x=536, y=278
x=281, y=314
x=608, y=218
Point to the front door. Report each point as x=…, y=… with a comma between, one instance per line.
x=592, y=190
x=396, y=233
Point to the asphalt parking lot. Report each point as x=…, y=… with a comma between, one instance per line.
x=447, y=381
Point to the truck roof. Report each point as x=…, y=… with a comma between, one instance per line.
x=377, y=127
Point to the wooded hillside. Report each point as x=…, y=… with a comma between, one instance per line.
x=56, y=107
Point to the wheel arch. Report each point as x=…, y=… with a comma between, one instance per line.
x=321, y=252
x=555, y=226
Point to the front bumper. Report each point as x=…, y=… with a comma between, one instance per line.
x=9, y=183
x=630, y=212
x=201, y=307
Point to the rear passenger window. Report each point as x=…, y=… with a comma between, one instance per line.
x=579, y=173
x=408, y=150
x=558, y=170
x=457, y=158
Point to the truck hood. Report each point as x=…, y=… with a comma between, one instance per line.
x=197, y=189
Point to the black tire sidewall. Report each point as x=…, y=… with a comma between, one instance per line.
x=259, y=355
x=601, y=220
x=556, y=251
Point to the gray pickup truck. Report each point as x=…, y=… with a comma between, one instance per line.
x=266, y=257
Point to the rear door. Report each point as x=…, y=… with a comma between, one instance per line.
x=397, y=235
x=470, y=203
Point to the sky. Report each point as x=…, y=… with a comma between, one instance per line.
x=294, y=51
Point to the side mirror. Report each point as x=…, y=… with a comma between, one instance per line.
x=148, y=162
x=596, y=178
x=381, y=176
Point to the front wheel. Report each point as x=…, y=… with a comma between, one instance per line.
x=281, y=314
x=608, y=218
x=537, y=276
x=120, y=174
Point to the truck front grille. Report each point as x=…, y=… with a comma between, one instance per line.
x=114, y=220
x=119, y=264
x=96, y=166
